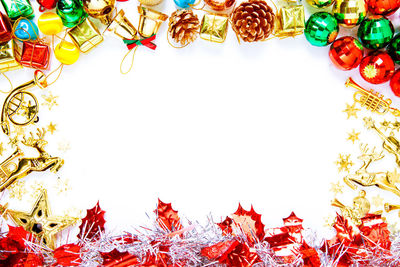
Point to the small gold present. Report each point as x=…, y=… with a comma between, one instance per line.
x=85, y=36
x=214, y=28
x=8, y=57
x=290, y=21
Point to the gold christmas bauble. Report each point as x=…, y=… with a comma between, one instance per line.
x=349, y=13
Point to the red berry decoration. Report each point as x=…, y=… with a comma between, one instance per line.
x=377, y=67
x=395, y=83
x=346, y=53
x=383, y=7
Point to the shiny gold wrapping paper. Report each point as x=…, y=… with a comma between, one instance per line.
x=290, y=21
x=8, y=57
x=85, y=36
x=214, y=28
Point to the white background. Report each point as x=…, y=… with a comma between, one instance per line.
x=204, y=127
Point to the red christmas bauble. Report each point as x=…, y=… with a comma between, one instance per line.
x=377, y=67
x=346, y=53
x=383, y=7
x=47, y=4
x=395, y=83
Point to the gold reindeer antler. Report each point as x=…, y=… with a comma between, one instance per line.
x=32, y=141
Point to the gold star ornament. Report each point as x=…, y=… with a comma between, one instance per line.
x=51, y=128
x=40, y=222
x=353, y=136
x=351, y=110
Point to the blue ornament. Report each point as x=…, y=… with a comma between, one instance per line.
x=184, y=3
x=26, y=30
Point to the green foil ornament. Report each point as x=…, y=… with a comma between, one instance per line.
x=350, y=13
x=320, y=3
x=375, y=32
x=321, y=29
x=18, y=8
x=71, y=12
x=394, y=49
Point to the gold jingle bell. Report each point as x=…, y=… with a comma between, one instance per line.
x=50, y=23
x=100, y=9
x=66, y=52
x=149, y=21
x=122, y=27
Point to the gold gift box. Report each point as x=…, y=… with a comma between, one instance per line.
x=85, y=36
x=214, y=28
x=8, y=57
x=290, y=21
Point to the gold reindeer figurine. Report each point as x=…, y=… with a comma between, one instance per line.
x=365, y=178
x=16, y=166
x=390, y=143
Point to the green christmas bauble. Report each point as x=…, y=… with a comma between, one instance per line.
x=320, y=3
x=375, y=32
x=71, y=12
x=321, y=29
x=394, y=49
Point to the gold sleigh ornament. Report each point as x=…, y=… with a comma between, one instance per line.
x=16, y=166
x=365, y=178
x=21, y=107
x=360, y=208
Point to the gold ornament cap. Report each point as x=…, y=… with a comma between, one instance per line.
x=150, y=2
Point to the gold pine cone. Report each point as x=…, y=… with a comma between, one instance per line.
x=253, y=20
x=183, y=26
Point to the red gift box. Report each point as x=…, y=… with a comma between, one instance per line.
x=35, y=55
x=5, y=29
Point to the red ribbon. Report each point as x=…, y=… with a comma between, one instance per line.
x=146, y=42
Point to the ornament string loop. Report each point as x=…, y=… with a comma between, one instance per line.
x=174, y=46
x=132, y=45
x=9, y=81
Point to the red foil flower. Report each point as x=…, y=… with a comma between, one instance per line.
x=93, y=223
x=167, y=217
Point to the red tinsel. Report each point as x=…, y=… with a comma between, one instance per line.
x=67, y=255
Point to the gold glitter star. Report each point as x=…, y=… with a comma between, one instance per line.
x=62, y=186
x=50, y=100
x=329, y=220
x=1, y=149
x=353, y=136
x=393, y=228
x=19, y=131
x=51, y=128
x=336, y=188
x=385, y=125
x=394, y=176
x=370, y=71
x=17, y=190
x=344, y=163
x=64, y=146
x=37, y=188
x=73, y=212
x=396, y=125
x=377, y=201
x=351, y=110
x=13, y=141
x=29, y=110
